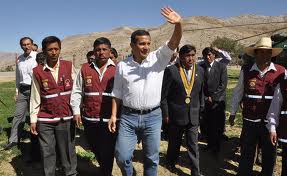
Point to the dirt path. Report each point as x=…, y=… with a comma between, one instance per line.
x=7, y=76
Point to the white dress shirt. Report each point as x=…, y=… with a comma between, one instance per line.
x=239, y=89
x=139, y=85
x=275, y=108
x=209, y=68
x=188, y=73
x=225, y=54
x=77, y=92
x=24, y=69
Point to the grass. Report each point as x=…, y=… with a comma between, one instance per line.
x=233, y=76
x=7, y=92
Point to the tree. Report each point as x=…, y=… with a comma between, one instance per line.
x=231, y=46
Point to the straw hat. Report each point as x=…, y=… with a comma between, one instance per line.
x=263, y=43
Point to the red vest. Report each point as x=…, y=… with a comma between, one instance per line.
x=282, y=127
x=97, y=99
x=258, y=92
x=55, y=97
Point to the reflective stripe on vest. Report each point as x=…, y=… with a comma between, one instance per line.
x=256, y=120
x=98, y=93
x=259, y=97
x=54, y=119
x=55, y=95
x=95, y=119
x=282, y=140
x=283, y=112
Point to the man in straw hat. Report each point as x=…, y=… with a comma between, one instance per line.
x=255, y=89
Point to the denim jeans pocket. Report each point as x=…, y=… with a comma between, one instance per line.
x=156, y=112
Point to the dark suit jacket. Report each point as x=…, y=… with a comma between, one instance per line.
x=173, y=97
x=215, y=82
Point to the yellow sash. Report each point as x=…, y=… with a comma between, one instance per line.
x=188, y=84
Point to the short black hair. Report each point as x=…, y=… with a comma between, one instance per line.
x=35, y=45
x=136, y=33
x=50, y=39
x=207, y=50
x=114, y=52
x=89, y=54
x=102, y=40
x=186, y=49
x=25, y=38
x=41, y=57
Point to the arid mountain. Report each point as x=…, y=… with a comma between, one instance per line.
x=195, y=33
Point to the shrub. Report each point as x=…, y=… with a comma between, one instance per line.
x=9, y=68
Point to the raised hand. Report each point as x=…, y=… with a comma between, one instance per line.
x=171, y=15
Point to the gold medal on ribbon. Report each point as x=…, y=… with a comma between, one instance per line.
x=188, y=84
x=187, y=100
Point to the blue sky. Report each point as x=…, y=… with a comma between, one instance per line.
x=38, y=19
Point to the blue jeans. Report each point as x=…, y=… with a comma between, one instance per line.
x=132, y=127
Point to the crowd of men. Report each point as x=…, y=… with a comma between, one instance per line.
x=122, y=103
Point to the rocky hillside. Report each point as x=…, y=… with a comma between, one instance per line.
x=195, y=33
x=7, y=59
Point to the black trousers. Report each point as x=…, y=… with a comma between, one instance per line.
x=102, y=143
x=35, y=153
x=175, y=133
x=62, y=136
x=251, y=133
x=214, y=115
x=284, y=159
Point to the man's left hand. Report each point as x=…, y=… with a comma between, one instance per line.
x=171, y=15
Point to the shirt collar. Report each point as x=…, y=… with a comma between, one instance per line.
x=46, y=66
x=144, y=60
x=255, y=67
x=209, y=64
x=30, y=55
x=184, y=67
x=130, y=60
x=212, y=63
x=109, y=62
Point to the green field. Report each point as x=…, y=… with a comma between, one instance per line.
x=7, y=92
